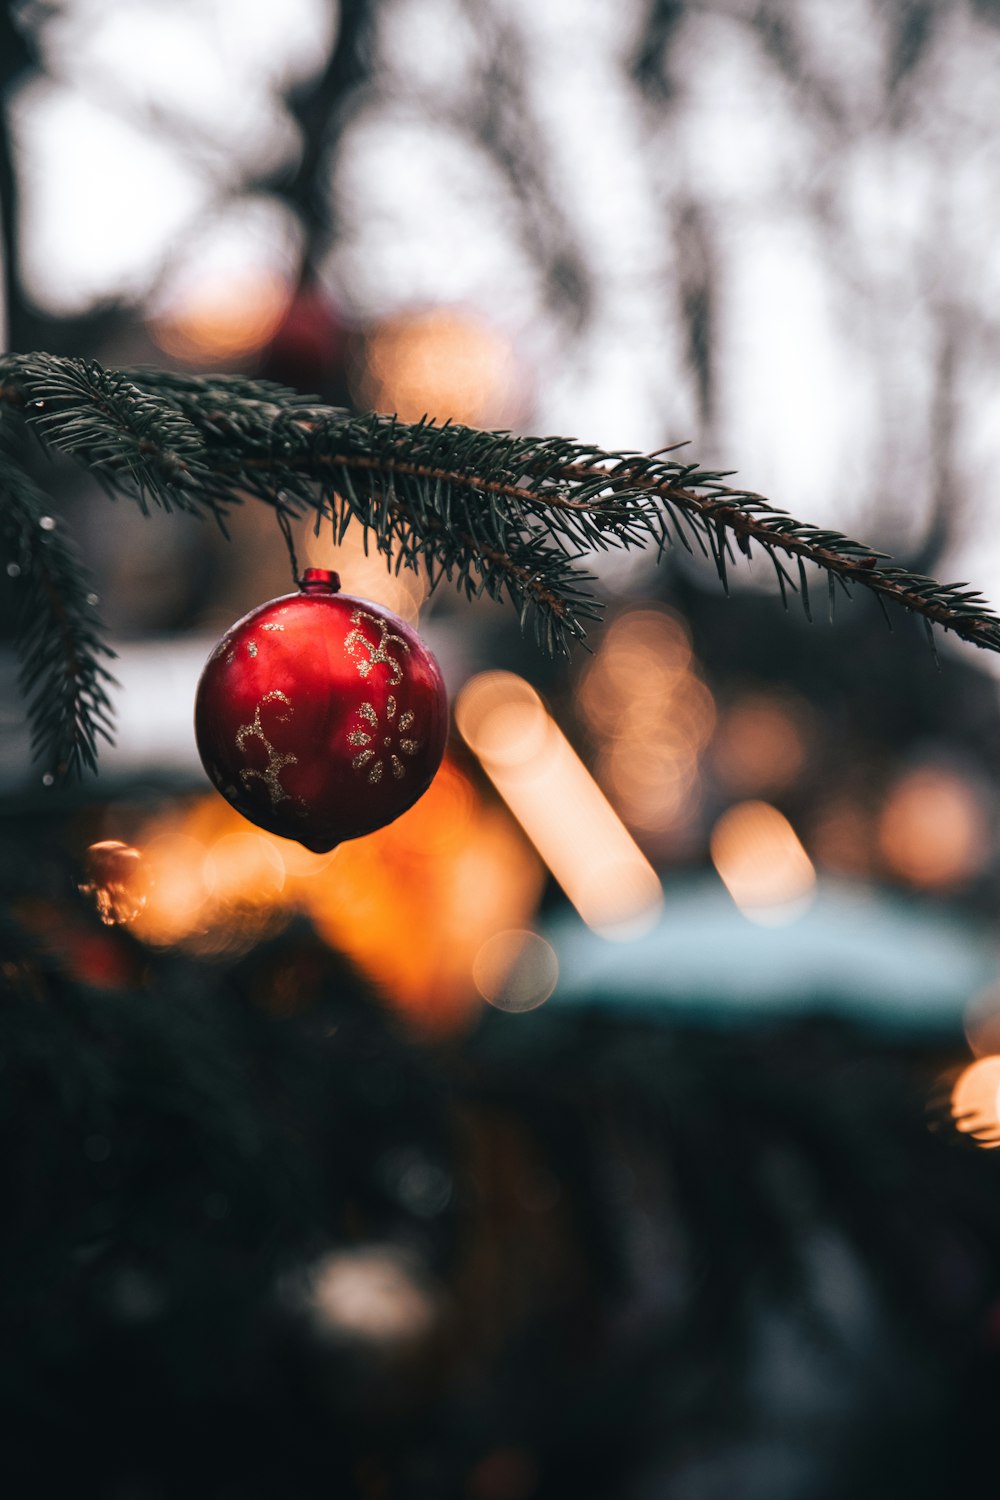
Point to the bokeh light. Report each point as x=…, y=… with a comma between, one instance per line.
x=222, y=319
x=371, y=1294
x=241, y=868
x=975, y=1101
x=761, y=743
x=515, y=971
x=366, y=574
x=117, y=879
x=412, y=904
x=762, y=863
x=651, y=717
x=559, y=805
x=176, y=909
x=442, y=363
x=934, y=828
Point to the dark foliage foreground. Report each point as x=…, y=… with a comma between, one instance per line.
x=643, y=1263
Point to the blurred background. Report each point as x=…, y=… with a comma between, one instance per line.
x=616, y=1122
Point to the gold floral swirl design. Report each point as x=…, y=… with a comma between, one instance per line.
x=276, y=761
x=395, y=743
x=357, y=642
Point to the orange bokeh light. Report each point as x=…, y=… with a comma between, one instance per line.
x=223, y=319
x=760, y=744
x=412, y=904
x=442, y=363
x=367, y=574
x=762, y=863
x=651, y=717
x=118, y=881
x=559, y=804
x=975, y=1101
x=933, y=830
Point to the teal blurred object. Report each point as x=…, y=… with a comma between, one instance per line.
x=859, y=952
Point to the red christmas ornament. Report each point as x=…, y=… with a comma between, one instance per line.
x=321, y=717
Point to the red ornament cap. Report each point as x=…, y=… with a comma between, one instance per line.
x=320, y=716
x=320, y=581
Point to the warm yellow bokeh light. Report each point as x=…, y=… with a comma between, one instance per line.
x=515, y=971
x=118, y=881
x=411, y=904
x=442, y=363
x=651, y=717
x=760, y=744
x=414, y=902
x=366, y=574
x=762, y=863
x=242, y=868
x=177, y=896
x=933, y=830
x=559, y=805
x=224, y=319
x=975, y=1105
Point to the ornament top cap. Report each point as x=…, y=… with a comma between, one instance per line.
x=320, y=581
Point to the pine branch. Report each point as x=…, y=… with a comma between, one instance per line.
x=492, y=512
x=58, y=634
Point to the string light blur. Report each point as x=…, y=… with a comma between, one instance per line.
x=651, y=717
x=762, y=864
x=559, y=805
x=975, y=1101
x=515, y=971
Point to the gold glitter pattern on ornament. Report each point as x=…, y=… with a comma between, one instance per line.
x=252, y=648
x=357, y=642
x=365, y=741
x=276, y=762
x=272, y=626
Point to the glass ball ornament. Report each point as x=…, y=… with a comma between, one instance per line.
x=321, y=717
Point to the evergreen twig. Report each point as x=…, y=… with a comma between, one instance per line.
x=59, y=634
x=494, y=512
